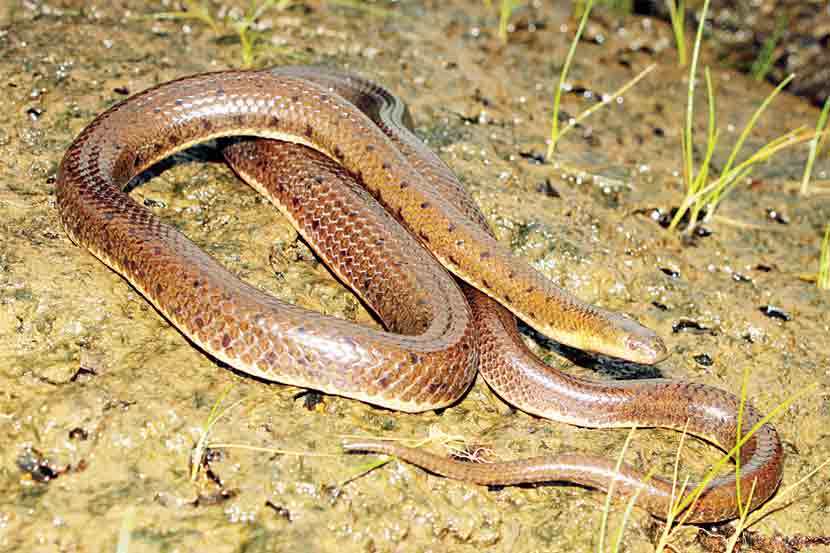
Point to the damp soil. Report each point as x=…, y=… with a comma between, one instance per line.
x=102, y=400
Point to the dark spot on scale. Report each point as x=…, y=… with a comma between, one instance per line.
x=220, y=91
x=451, y=227
x=315, y=224
x=424, y=205
x=385, y=166
x=207, y=125
x=226, y=341
x=485, y=254
x=511, y=275
x=197, y=283
x=178, y=102
x=507, y=299
x=159, y=289
x=338, y=153
x=318, y=179
x=529, y=290
x=424, y=237
x=275, y=121
x=108, y=216
x=370, y=147
x=239, y=119
x=137, y=160
x=414, y=358
x=295, y=98
x=532, y=315
x=404, y=185
x=157, y=110
x=485, y=284
x=309, y=132
x=453, y=261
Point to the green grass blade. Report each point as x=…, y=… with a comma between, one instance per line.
x=688, y=151
x=607, y=100
x=609, y=496
x=554, y=125
x=753, y=120
x=677, y=15
x=814, y=148
x=628, y=508
x=823, y=280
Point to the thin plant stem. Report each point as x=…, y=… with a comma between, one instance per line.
x=823, y=280
x=214, y=417
x=677, y=15
x=554, y=124
x=125, y=532
x=608, y=496
x=607, y=100
x=741, y=524
x=688, y=151
x=628, y=508
x=814, y=148
x=506, y=10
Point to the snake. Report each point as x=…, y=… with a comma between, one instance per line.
x=337, y=155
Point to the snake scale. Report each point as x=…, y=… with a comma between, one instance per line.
x=346, y=169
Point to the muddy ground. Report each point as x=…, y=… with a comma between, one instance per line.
x=102, y=400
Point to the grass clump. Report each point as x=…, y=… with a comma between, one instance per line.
x=241, y=25
x=703, y=195
x=763, y=63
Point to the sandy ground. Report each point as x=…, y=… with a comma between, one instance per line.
x=102, y=400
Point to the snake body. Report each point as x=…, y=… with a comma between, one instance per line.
x=337, y=130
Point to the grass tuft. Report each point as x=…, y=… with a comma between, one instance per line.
x=763, y=63
x=701, y=194
x=241, y=25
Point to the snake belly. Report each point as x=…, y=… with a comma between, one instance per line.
x=427, y=355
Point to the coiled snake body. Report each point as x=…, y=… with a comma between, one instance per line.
x=337, y=128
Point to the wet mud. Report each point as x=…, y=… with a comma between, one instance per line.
x=102, y=401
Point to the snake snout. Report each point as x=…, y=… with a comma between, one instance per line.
x=646, y=347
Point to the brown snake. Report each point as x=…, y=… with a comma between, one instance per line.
x=339, y=128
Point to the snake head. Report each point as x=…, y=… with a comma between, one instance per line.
x=622, y=337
